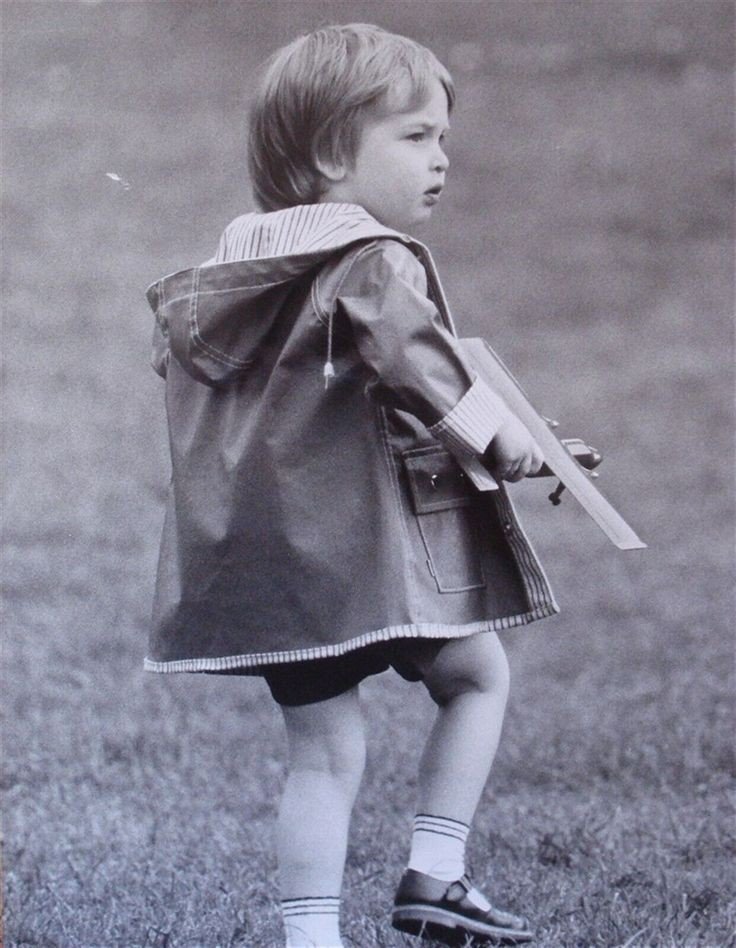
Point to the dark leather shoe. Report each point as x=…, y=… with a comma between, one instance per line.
x=432, y=908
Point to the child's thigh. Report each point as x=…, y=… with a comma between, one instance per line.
x=473, y=663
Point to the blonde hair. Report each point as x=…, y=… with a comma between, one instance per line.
x=312, y=103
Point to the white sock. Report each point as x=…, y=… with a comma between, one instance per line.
x=438, y=847
x=312, y=922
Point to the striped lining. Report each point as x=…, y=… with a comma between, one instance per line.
x=472, y=424
x=294, y=230
x=536, y=584
x=426, y=630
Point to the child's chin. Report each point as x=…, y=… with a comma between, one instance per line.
x=419, y=217
x=425, y=211
x=405, y=222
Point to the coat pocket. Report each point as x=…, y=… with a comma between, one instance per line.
x=447, y=512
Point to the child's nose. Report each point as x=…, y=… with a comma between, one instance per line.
x=440, y=161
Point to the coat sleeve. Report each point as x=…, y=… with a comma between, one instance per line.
x=416, y=363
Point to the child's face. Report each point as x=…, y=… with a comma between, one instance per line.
x=399, y=169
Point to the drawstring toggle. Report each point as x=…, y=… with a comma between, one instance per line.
x=328, y=372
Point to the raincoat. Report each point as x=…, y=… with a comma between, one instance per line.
x=318, y=400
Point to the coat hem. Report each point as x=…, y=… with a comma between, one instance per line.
x=427, y=630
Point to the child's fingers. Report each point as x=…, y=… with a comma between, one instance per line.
x=537, y=461
x=519, y=470
x=528, y=464
x=516, y=453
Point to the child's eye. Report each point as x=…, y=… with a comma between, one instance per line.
x=416, y=137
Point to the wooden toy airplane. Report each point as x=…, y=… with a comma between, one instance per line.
x=572, y=461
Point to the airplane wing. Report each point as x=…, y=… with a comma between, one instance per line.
x=575, y=478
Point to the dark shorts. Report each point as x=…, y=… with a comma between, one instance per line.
x=313, y=680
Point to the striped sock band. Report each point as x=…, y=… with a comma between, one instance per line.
x=438, y=846
x=312, y=922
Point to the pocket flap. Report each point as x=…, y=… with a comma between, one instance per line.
x=436, y=480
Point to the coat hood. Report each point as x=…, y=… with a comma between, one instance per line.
x=216, y=319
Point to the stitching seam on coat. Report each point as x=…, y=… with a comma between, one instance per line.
x=396, y=493
x=217, y=354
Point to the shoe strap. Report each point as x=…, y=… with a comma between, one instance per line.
x=458, y=889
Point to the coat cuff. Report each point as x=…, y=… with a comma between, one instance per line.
x=474, y=421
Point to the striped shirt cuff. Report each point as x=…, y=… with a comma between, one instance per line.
x=473, y=423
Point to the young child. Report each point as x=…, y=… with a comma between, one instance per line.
x=319, y=528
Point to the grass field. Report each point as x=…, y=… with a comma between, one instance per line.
x=587, y=231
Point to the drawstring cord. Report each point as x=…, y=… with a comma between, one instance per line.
x=436, y=295
x=329, y=368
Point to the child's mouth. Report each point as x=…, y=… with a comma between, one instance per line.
x=432, y=195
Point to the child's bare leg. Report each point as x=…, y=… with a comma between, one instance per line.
x=469, y=681
x=326, y=760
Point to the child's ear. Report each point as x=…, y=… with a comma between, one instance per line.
x=331, y=168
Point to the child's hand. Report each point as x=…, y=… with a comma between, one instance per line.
x=513, y=454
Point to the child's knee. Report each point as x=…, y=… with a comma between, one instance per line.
x=476, y=664
x=327, y=737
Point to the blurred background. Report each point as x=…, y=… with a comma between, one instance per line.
x=587, y=232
